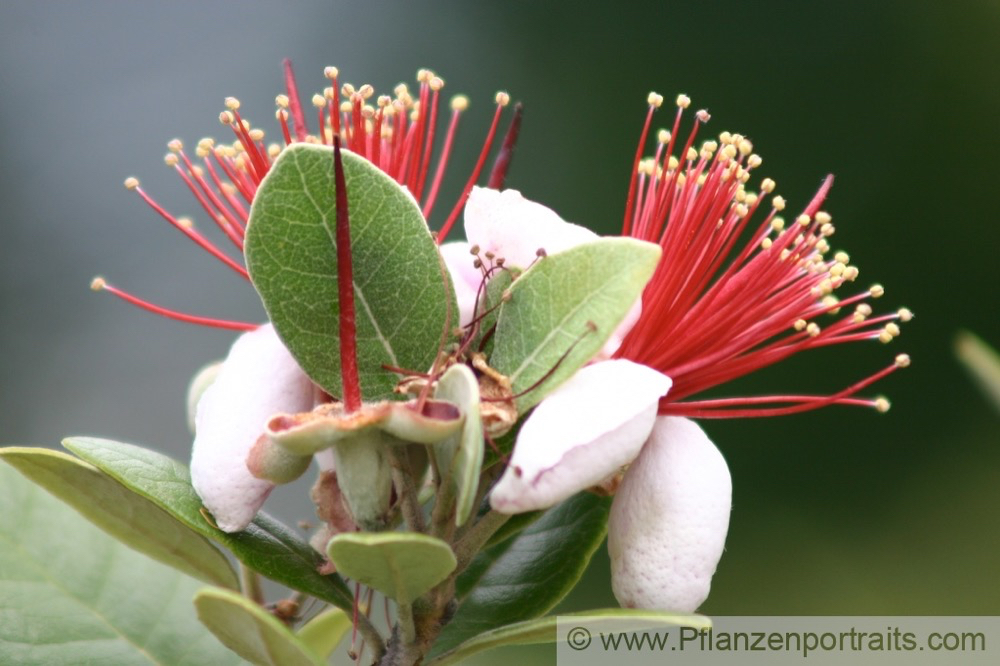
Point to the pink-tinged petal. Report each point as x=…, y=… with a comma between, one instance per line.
x=464, y=276
x=669, y=520
x=615, y=341
x=585, y=431
x=258, y=379
x=512, y=227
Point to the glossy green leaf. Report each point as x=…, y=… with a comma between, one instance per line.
x=324, y=632
x=250, y=631
x=544, y=630
x=266, y=545
x=524, y=577
x=71, y=594
x=554, y=304
x=130, y=518
x=400, y=290
x=400, y=565
x=460, y=457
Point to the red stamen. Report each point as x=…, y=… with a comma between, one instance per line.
x=345, y=290
x=99, y=284
x=630, y=198
x=502, y=162
x=294, y=105
x=502, y=99
x=202, y=242
x=449, y=139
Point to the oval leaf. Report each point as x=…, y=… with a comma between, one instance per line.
x=545, y=630
x=553, y=306
x=71, y=594
x=266, y=545
x=130, y=518
x=250, y=631
x=323, y=633
x=400, y=565
x=526, y=576
x=400, y=290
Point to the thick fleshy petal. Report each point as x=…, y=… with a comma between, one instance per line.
x=512, y=227
x=258, y=379
x=669, y=520
x=585, y=431
x=464, y=276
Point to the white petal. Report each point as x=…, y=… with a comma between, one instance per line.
x=669, y=520
x=464, y=276
x=586, y=430
x=258, y=379
x=512, y=227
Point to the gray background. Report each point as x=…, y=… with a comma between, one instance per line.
x=841, y=511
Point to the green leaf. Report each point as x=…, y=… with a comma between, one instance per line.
x=553, y=305
x=265, y=545
x=524, y=577
x=130, y=518
x=250, y=631
x=324, y=632
x=400, y=565
x=399, y=287
x=71, y=594
x=491, y=299
x=544, y=630
x=460, y=457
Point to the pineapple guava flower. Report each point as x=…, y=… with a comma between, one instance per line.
x=727, y=298
x=260, y=378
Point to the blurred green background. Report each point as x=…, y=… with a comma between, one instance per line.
x=842, y=511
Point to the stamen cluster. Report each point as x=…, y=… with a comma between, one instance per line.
x=732, y=294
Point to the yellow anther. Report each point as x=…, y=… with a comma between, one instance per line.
x=459, y=103
x=367, y=90
x=800, y=324
x=346, y=107
x=803, y=220
x=692, y=155
x=282, y=101
x=751, y=199
x=226, y=118
x=765, y=244
x=745, y=147
x=882, y=404
x=823, y=217
x=885, y=337
x=785, y=254
x=842, y=257
x=273, y=150
x=778, y=203
x=347, y=90
x=892, y=329
x=170, y=159
x=683, y=101
x=98, y=283
x=831, y=301
x=767, y=186
x=728, y=152
x=703, y=116
x=813, y=329
x=741, y=210
x=424, y=75
x=672, y=163
x=654, y=99
x=318, y=101
x=367, y=112
x=502, y=98
x=185, y=222
x=754, y=161
x=837, y=269
x=863, y=309
x=827, y=229
x=331, y=72
x=436, y=83
x=778, y=223
x=822, y=246
x=131, y=183
x=904, y=314
x=851, y=273
x=726, y=138
x=281, y=114
x=903, y=361
x=876, y=290
x=232, y=103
